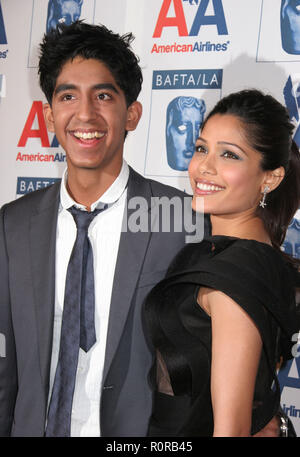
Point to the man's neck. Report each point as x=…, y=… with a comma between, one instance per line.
x=87, y=186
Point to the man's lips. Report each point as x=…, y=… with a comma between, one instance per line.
x=87, y=135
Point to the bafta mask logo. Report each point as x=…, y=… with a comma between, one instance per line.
x=63, y=11
x=3, y=39
x=291, y=244
x=291, y=94
x=184, y=119
x=290, y=26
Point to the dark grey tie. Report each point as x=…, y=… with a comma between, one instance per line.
x=78, y=325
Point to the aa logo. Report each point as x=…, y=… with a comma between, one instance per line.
x=202, y=17
x=36, y=116
x=3, y=39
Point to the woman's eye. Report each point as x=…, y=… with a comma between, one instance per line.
x=201, y=149
x=230, y=155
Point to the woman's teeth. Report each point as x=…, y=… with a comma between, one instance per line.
x=208, y=187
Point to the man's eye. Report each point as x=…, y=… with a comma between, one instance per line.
x=104, y=96
x=67, y=97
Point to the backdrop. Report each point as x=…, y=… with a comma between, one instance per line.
x=192, y=53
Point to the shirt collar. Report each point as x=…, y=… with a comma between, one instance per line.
x=110, y=196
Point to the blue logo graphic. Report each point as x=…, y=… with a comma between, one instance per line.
x=201, y=18
x=290, y=26
x=184, y=119
x=63, y=11
x=3, y=39
x=291, y=244
x=292, y=100
x=27, y=185
x=284, y=376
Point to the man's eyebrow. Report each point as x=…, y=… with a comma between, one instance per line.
x=106, y=86
x=64, y=87
x=100, y=86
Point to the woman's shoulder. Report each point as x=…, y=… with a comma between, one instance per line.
x=223, y=251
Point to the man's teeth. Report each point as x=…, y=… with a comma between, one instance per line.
x=208, y=187
x=88, y=135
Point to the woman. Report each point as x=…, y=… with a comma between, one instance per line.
x=225, y=314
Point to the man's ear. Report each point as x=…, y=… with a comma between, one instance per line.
x=273, y=178
x=48, y=115
x=134, y=114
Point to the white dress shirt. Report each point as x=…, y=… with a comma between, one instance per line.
x=104, y=234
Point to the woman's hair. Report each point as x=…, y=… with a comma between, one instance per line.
x=268, y=130
x=65, y=42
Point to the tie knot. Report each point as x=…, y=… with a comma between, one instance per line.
x=84, y=218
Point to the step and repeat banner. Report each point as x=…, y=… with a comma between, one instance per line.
x=192, y=53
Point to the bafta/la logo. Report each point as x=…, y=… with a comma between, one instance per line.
x=201, y=17
x=3, y=39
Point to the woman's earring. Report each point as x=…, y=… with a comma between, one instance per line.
x=262, y=203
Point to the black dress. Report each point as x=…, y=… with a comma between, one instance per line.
x=262, y=282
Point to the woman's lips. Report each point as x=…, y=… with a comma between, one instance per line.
x=205, y=188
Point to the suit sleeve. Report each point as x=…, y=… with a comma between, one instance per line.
x=8, y=368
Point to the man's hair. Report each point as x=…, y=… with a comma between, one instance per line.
x=65, y=42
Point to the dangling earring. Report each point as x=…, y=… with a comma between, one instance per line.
x=262, y=202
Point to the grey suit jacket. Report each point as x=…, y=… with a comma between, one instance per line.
x=27, y=287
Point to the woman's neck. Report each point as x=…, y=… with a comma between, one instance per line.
x=240, y=226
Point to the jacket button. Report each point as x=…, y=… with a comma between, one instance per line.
x=110, y=387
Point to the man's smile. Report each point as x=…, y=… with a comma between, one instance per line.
x=87, y=135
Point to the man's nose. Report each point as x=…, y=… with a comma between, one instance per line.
x=86, y=110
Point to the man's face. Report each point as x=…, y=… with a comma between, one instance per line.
x=183, y=129
x=89, y=116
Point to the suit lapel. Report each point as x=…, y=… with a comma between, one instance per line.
x=131, y=254
x=42, y=248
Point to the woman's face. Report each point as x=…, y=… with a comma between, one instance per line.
x=225, y=170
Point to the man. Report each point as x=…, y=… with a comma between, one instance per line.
x=73, y=370
x=91, y=80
